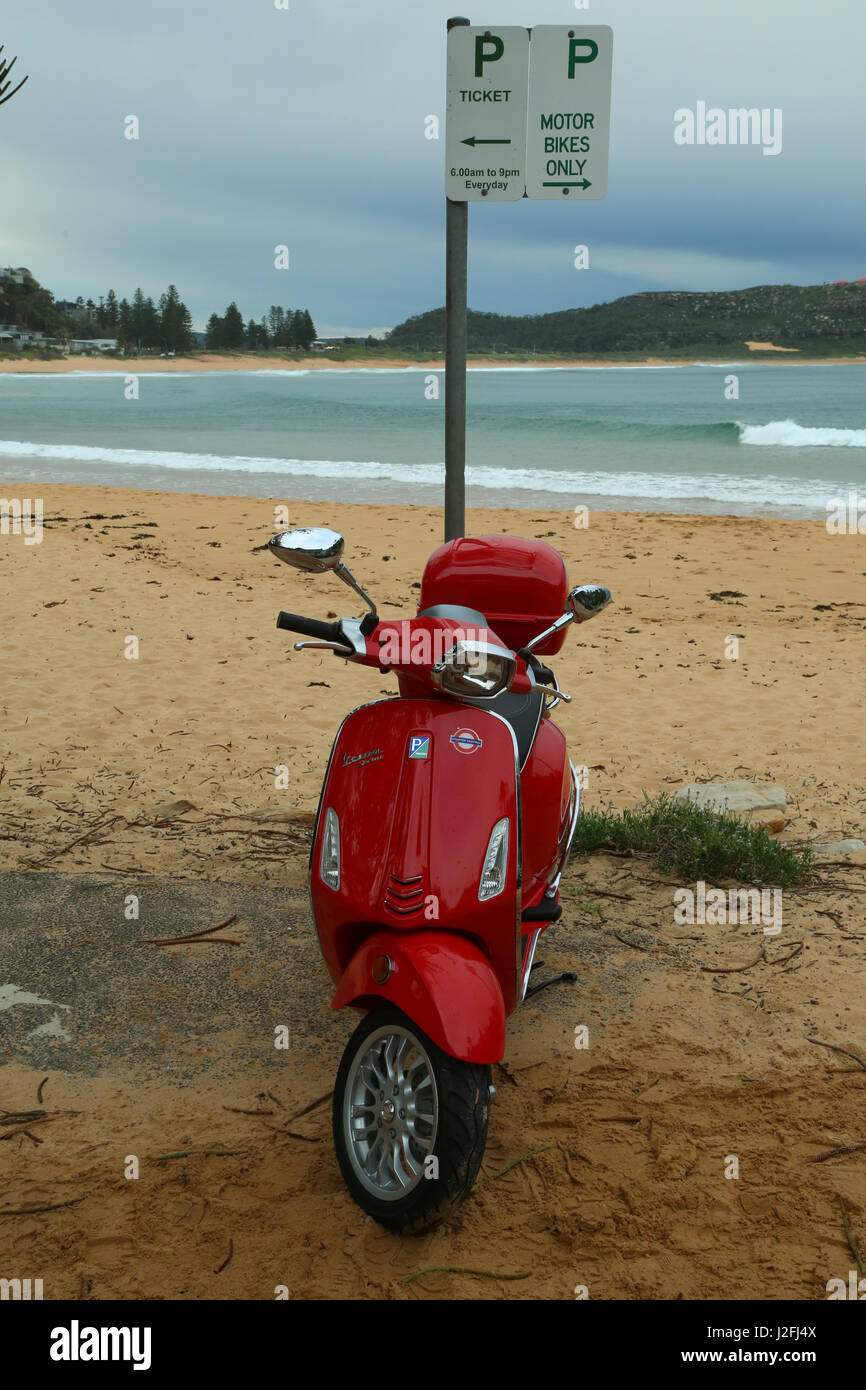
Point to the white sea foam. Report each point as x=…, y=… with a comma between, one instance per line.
x=787, y=434
x=714, y=487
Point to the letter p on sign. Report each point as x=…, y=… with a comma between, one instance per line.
x=496, y=46
x=574, y=57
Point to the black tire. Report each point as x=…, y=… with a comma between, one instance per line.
x=457, y=1139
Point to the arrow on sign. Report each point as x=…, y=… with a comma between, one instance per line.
x=473, y=140
x=579, y=183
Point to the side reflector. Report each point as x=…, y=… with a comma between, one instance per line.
x=382, y=968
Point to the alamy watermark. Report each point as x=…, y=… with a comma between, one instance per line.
x=22, y=517
x=715, y=907
x=20, y=1290
x=846, y=519
x=740, y=125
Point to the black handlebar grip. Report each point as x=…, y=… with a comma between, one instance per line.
x=311, y=627
x=543, y=674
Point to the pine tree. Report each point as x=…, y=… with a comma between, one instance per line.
x=233, y=327
x=124, y=323
x=136, y=319
x=297, y=329
x=308, y=334
x=184, y=333
x=110, y=310
x=277, y=324
x=175, y=323
x=214, y=334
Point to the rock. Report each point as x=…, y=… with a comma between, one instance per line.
x=772, y=821
x=841, y=852
x=757, y=802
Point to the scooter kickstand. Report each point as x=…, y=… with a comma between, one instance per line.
x=567, y=977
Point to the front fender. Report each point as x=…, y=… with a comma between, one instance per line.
x=442, y=981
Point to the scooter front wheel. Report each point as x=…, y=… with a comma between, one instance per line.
x=410, y=1122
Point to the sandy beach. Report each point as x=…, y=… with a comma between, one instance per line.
x=629, y=1193
x=250, y=362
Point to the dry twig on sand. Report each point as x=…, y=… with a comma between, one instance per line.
x=207, y=1153
x=204, y=936
x=834, y=1048
x=836, y=1153
x=514, y=1164
x=852, y=1244
x=320, y=1100
x=34, y=1211
x=733, y=969
x=459, y=1269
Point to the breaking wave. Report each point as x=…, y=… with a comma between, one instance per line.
x=787, y=434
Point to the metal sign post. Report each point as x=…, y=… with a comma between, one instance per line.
x=456, y=261
x=528, y=114
x=456, y=253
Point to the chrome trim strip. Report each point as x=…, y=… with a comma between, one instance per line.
x=518, y=954
x=530, y=956
x=553, y=884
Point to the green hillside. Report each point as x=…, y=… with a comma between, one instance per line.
x=818, y=319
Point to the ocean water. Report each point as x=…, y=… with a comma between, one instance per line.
x=620, y=438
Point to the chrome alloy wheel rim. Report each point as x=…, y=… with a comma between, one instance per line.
x=390, y=1112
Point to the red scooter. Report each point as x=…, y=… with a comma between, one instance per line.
x=443, y=828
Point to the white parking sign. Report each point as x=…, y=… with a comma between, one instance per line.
x=485, y=133
x=568, y=111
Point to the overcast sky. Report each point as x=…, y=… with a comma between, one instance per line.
x=261, y=126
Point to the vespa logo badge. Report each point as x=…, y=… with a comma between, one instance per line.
x=419, y=746
x=372, y=755
x=466, y=741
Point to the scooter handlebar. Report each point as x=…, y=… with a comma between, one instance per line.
x=311, y=627
x=543, y=674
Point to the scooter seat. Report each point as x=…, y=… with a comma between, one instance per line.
x=523, y=712
x=456, y=612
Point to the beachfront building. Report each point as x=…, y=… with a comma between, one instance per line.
x=90, y=345
x=11, y=336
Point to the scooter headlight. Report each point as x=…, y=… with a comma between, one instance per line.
x=329, y=859
x=495, y=862
x=474, y=670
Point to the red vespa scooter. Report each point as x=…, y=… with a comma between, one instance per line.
x=444, y=824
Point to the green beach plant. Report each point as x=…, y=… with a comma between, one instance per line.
x=693, y=842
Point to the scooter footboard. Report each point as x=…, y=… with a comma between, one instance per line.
x=441, y=980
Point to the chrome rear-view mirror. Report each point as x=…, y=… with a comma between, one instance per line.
x=312, y=548
x=587, y=600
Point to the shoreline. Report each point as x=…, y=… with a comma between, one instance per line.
x=252, y=362
x=117, y=491
x=597, y=505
